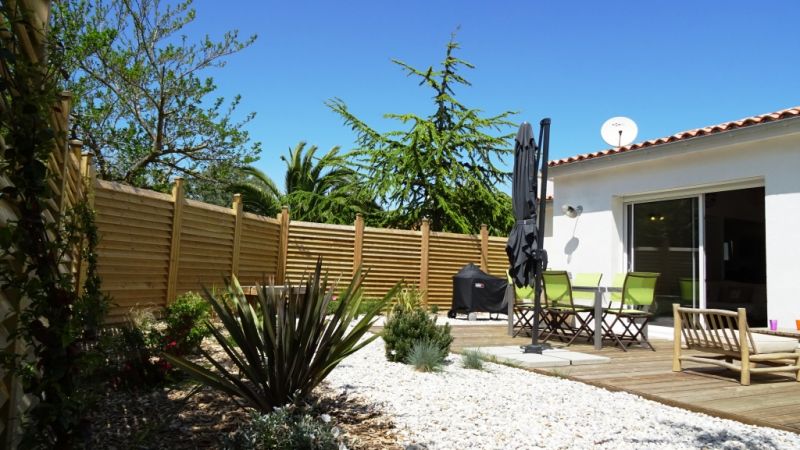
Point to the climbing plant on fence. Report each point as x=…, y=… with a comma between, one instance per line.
x=39, y=238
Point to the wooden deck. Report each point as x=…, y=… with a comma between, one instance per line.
x=771, y=400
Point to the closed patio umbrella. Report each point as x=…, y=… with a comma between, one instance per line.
x=526, y=256
x=523, y=237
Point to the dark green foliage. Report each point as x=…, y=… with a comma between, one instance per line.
x=136, y=350
x=407, y=326
x=284, y=429
x=145, y=105
x=441, y=165
x=186, y=327
x=426, y=356
x=92, y=305
x=283, y=347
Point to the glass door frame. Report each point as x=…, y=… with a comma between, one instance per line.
x=628, y=206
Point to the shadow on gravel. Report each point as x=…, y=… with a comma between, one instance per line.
x=722, y=439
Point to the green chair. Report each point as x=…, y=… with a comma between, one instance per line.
x=614, y=296
x=689, y=291
x=561, y=309
x=633, y=313
x=523, y=308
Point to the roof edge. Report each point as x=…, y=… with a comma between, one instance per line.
x=684, y=135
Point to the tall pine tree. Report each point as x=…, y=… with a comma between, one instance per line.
x=444, y=166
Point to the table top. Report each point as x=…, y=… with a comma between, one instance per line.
x=785, y=332
x=596, y=288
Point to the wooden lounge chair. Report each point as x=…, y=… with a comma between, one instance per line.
x=726, y=336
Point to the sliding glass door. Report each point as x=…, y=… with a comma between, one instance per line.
x=664, y=236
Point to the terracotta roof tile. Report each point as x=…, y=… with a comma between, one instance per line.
x=727, y=126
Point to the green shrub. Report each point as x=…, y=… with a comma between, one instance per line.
x=284, y=429
x=426, y=356
x=472, y=359
x=131, y=352
x=185, y=324
x=404, y=327
x=283, y=348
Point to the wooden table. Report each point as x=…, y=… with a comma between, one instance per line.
x=598, y=309
x=252, y=291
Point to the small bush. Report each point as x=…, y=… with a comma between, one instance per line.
x=185, y=320
x=472, y=359
x=426, y=356
x=404, y=327
x=131, y=353
x=285, y=429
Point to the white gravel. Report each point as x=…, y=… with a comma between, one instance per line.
x=508, y=408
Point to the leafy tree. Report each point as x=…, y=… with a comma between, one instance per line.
x=142, y=99
x=443, y=166
x=323, y=189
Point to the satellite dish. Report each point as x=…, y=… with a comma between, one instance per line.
x=619, y=131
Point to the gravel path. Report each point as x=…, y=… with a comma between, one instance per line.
x=508, y=408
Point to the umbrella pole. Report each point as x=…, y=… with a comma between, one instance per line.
x=540, y=255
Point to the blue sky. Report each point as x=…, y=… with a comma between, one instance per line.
x=669, y=65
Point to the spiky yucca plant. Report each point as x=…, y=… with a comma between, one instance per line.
x=283, y=347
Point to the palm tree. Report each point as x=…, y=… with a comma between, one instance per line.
x=321, y=189
x=260, y=195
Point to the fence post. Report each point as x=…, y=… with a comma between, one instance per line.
x=238, y=212
x=423, y=259
x=86, y=184
x=283, y=246
x=358, y=243
x=175, y=242
x=484, y=248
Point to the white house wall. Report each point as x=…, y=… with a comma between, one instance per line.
x=594, y=241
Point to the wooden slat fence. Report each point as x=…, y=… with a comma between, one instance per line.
x=447, y=254
x=258, y=251
x=135, y=228
x=155, y=246
x=390, y=256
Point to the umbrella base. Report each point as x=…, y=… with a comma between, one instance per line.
x=534, y=348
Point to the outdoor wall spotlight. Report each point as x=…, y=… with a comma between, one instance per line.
x=572, y=211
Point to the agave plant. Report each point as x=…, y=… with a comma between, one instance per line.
x=283, y=346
